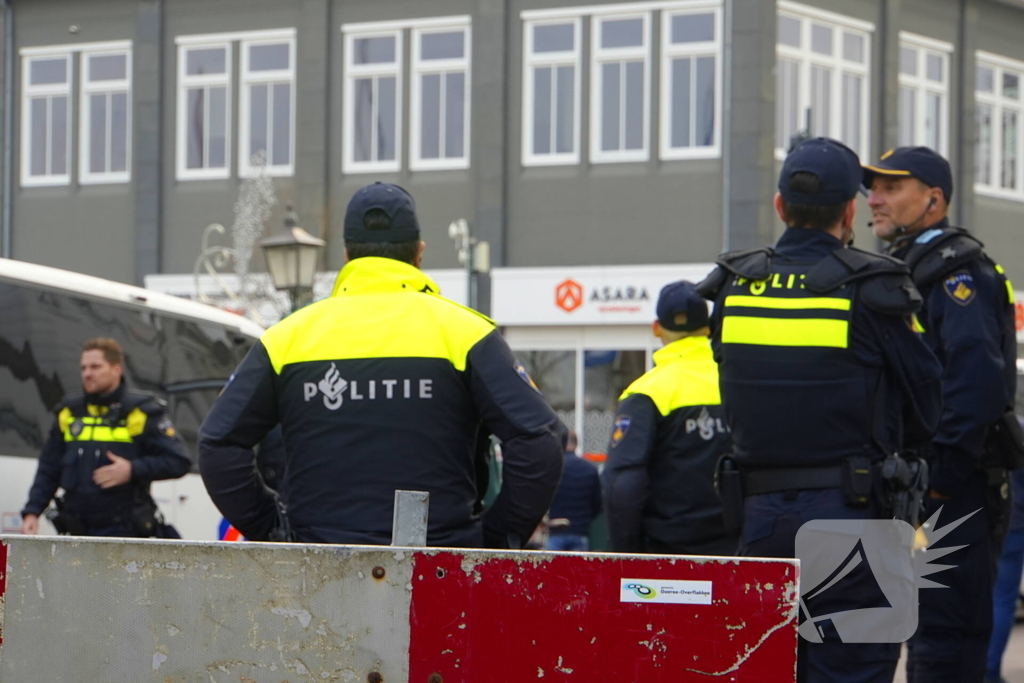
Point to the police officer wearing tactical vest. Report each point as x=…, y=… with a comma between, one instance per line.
x=968, y=319
x=823, y=381
x=104, y=449
x=669, y=433
x=383, y=386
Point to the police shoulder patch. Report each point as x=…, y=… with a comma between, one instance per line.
x=620, y=429
x=166, y=427
x=524, y=375
x=76, y=428
x=960, y=287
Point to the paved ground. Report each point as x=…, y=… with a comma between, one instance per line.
x=1013, y=660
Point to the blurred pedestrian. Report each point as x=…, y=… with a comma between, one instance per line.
x=577, y=502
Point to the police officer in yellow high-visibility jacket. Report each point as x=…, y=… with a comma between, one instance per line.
x=383, y=386
x=668, y=435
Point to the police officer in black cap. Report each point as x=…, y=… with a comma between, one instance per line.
x=383, y=386
x=822, y=378
x=968, y=319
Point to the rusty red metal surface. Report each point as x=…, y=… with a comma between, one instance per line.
x=536, y=617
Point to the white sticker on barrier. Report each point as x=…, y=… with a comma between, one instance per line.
x=654, y=590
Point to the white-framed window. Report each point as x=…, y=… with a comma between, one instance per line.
x=267, y=105
x=551, y=91
x=439, y=126
x=373, y=102
x=924, y=92
x=822, y=74
x=690, y=86
x=999, y=160
x=620, y=87
x=46, y=120
x=105, y=121
x=204, y=110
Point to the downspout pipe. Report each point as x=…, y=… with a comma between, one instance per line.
x=8, y=189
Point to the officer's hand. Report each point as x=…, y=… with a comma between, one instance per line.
x=118, y=473
x=932, y=493
x=30, y=525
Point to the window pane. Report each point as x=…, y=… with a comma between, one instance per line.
x=448, y=45
x=108, y=68
x=565, y=110
x=48, y=71
x=218, y=128
x=985, y=79
x=1011, y=85
x=196, y=126
x=821, y=101
x=259, y=110
x=907, y=116
x=693, y=28
x=634, y=105
x=680, y=127
x=787, y=102
x=119, y=132
x=386, y=129
x=853, y=47
x=554, y=38
x=852, y=87
x=59, y=126
x=610, y=100
x=542, y=110
x=933, y=67
x=789, y=30
x=606, y=375
x=268, y=57
x=430, y=117
x=362, y=135
x=374, y=50
x=206, y=61
x=281, y=154
x=821, y=39
x=97, y=133
x=932, y=120
x=908, y=61
x=455, y=115
x=704, y=114
x=622, y=33
x=983, y=152
x=37, y=158
x=1008, y=176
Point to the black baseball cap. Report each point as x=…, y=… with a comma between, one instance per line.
x=834, y=164
x=922, y=163
x=392, y=200
x=681, y=297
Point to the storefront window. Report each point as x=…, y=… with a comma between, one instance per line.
x=554, y=372
x=606, y=375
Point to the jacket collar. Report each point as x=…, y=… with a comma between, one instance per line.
x=113, y=397
x=806, y=243
x=374, y=275
x=688, y=348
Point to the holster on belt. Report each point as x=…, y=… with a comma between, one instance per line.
x=730, y=489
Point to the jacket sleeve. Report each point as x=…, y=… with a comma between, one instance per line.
x=48, y=473
x=532, y=441
x=917, y=372
x=974, y=394
x=625, y=472
x=240, y=418
x=163, y=451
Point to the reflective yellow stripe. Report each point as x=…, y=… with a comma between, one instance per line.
x=64, y=419
x=783, y=332
x=915, y=323
x=136, y=422
x=790, y=304
x=1009, y=285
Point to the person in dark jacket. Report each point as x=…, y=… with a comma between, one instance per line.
x=577, y=502
x=968, y=322
x=383, y=386
x=669, y=434
x=1006, y=593
x=105, y=447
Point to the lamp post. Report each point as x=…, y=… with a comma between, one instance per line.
x=474, y=254
x=292, y=258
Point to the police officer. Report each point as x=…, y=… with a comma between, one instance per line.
x=383, y=386
x=968, y=320
x=104, y=449
x=822, y=377
x=669, y=433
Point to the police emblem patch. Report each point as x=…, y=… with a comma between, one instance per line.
x=166, y=427
x=524, y=375
x=76, y=428
x=960, y=287
x=620, y=429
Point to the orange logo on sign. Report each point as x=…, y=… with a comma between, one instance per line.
x=1019, y=310
x=569, y=295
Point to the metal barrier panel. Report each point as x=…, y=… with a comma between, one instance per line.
x=99, y=610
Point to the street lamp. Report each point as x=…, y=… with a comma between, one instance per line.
x=474, y=254
x=292, y=258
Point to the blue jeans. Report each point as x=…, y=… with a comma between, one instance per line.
x=572, y=542
x=1004, y=600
